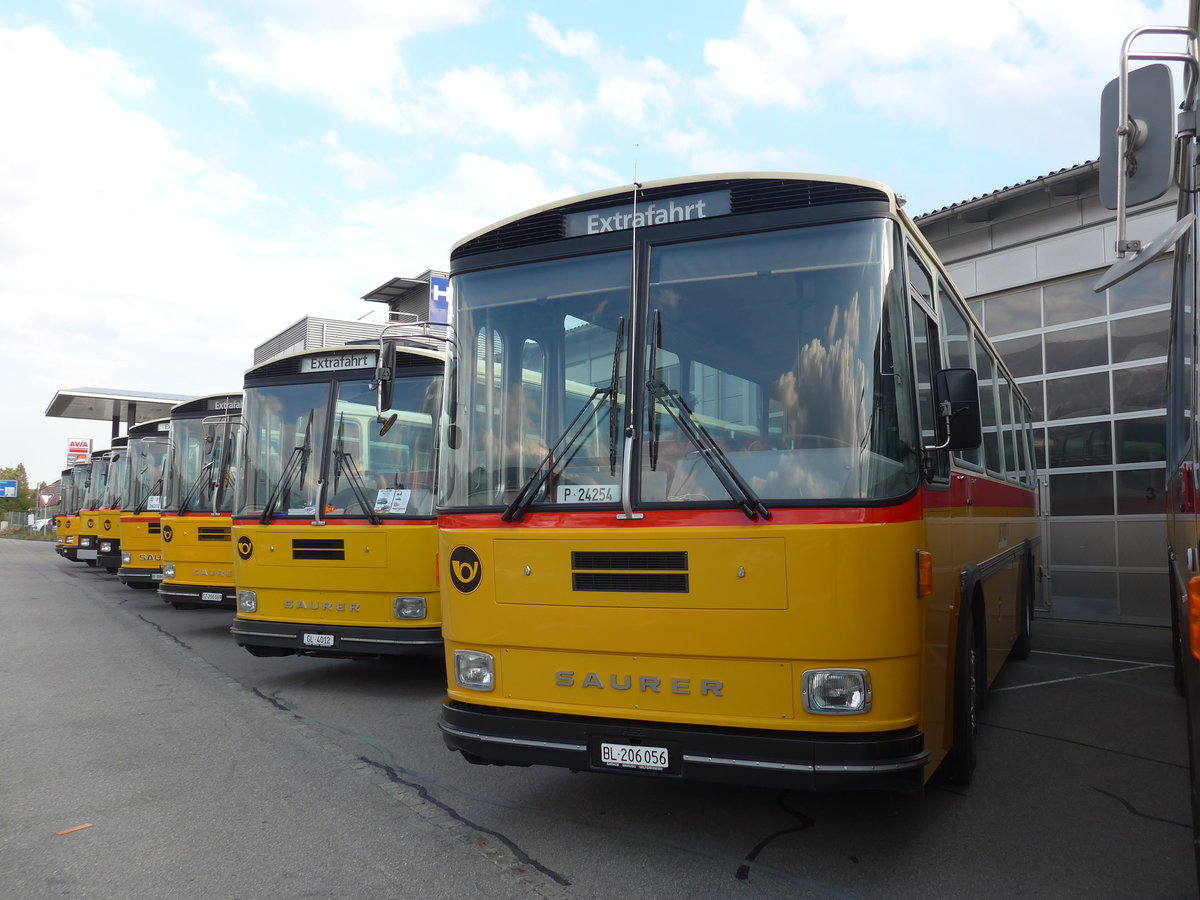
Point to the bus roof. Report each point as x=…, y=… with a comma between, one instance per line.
x=697, y=180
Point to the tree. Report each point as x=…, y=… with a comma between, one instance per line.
x=26, y=499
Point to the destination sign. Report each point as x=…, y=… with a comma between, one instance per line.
x=647, y=212
x=226, y=403
x=335, y=363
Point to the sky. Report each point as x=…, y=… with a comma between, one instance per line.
x=182, y=179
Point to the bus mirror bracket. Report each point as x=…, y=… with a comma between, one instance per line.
x=956, y=397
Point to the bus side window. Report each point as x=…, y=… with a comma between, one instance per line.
x=957, y=346
x=927, y=361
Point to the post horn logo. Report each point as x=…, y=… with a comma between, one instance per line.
x=167, y=533
x=465, y=569
x=108, y=524
x=245, y=549
x=91, y=523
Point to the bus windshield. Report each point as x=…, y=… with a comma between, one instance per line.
x=116, y=479
x=298, y=461
x=282, y=454
x=146, y=457
x=390, y=473
x=200, y=465
x=782, y=355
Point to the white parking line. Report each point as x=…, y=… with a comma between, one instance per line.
x=1134, y=666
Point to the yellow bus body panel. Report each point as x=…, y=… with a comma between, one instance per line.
x=764, y=604
x=140, y=538
x=201, y=549
x=380, y=563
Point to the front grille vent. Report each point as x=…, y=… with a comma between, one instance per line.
x=154, y=528
x=630, y=559
x=630, y=572
x=207, y=533
x=316, y=548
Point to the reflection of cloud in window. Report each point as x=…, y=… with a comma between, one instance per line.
x=824, y=393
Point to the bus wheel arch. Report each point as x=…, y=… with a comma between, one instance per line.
x=1024, y=642
x=970, y=680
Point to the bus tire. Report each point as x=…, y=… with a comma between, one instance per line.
x=959, y=765
x=1024, y=642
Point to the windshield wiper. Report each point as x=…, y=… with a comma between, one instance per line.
x=187, y=498
x=297, y=462
x=570, y=437
x=155, y=488
x=710, y=451
x=353, y=475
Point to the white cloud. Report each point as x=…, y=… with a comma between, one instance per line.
x=477, y=103
x=631, y=93
x=945, y=65
x=227, y=93
x=360, y=172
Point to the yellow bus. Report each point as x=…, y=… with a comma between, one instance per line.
x=112, y=501
x=92, y=506
x=141, y=537
x=197, y=522
x=1145, y=150
x=790, y=535
x=66, y=524
x=335, y=535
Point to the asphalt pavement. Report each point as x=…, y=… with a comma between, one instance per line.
x=144, y=755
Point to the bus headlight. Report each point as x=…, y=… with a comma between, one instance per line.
x=247, y=601
x=106, y=546
x=168, y=570
x=474, y=670
x=408, y=607
x=126, y=557
x=70, y=539
x=837, y=691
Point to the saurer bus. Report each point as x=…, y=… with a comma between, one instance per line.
x=335, y=535
x=91, y=507
x=66, y=524
x=733, y=488
x=112, y=501
x=197, y=523
x=1148, y=144
x=141, y=540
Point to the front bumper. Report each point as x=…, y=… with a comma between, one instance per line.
x=348, y=641
x=198, y=594
x=129, y=575
x=810, y=761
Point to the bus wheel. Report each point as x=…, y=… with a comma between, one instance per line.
x=959, y=765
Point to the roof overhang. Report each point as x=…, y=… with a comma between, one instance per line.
x=107, y=405
x=394, y=290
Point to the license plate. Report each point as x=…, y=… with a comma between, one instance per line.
x=216, y=597
x=156, y=576
x=635, y=756
x=318, y=640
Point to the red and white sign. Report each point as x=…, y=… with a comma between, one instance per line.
x=78, y=450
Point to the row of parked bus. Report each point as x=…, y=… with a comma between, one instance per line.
x=713, y=478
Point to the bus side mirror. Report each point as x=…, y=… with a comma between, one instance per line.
x=956, y=395
x=383, y=376
x=1150, y=143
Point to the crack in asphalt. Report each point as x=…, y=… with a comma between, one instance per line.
x=1137, y=812
x=1064, y=740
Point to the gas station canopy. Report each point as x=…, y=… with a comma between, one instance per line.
x=110, y=405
